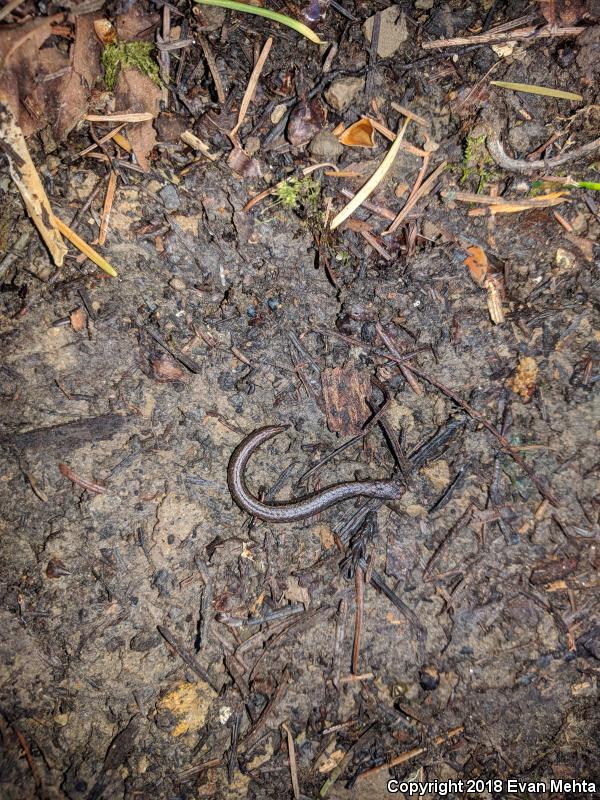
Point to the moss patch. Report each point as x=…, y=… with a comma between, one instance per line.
x=295, y=193
x=121, y=55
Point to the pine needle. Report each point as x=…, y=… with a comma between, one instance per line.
x=533, y=89
x=373, y=181
x=83, y=246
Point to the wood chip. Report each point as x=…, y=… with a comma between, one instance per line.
x=345, y=390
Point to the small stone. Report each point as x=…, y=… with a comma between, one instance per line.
x=325, y=146
x=430, y=230
x=253, y=145
x=393, y=31
x=170, y=196
x=342, y=92
x=424, y=5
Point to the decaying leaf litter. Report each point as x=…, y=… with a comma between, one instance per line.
x=380, y=240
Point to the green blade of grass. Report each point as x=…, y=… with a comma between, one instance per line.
x=587, y=185
x=531, y=88
x=571, y=184
x=233, y=5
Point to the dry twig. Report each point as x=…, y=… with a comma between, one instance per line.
x=417, y=193
x=497, y=152
x=530, y=33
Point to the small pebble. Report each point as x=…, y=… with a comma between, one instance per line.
x=170, y=196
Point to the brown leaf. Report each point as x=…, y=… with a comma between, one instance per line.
x=136, y=23
x=39, y=106
x=306, y=120
x=583, y=244
x=135, y=92
x=346, y=390
x=77, y=87
x=564, y=12
x=361, y=134
x=23, y=69
x=17, y=40
x=243, y=165
x=56, y=568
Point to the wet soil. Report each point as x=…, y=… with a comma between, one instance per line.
x=132, y=651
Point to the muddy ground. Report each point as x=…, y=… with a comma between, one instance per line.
x=134, y=662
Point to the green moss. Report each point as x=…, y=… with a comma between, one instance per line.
x=477, y=163
x=122, y=55
x=296, y=193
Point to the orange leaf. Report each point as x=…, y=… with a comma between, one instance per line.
x=477, y=263
x=361, y=134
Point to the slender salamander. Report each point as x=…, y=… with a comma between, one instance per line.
x=292, y=510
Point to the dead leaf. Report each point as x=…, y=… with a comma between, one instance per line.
x=242, y=164
x=564, y=12
x=136, y=23
x=306, y=120
x=77, y=86
x=42, y=102
x=17, y=41
x=361, y=134
x=137, y=93
x=583, y=244
x=345, y=390
x=477, y=263
x=22, y=71
x=56, y=568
